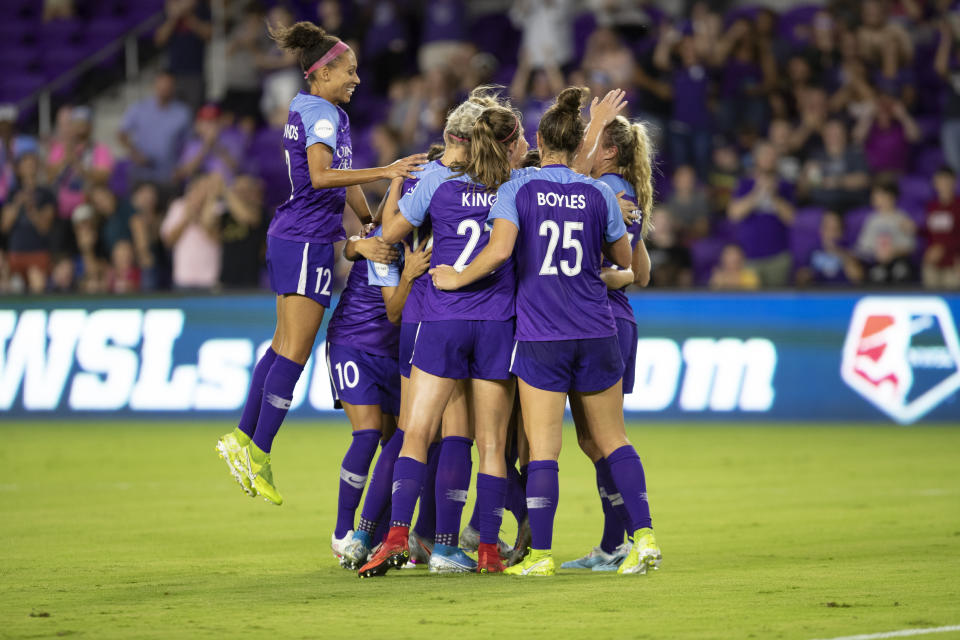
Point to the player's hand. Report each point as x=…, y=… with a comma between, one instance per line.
x=445, y=277
x=604, y=111
x=416, y=263
x=376, y=250
x=628, y=209
x=405, y=167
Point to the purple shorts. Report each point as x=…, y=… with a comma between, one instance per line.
x=361, y=378
x=586, y=364
x=627, y=337
x=304, y=268
x=461, y=349
x=408, y=336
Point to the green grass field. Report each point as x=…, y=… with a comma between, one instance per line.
x=136, y=530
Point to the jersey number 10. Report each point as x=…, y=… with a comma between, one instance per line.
x=552, y=229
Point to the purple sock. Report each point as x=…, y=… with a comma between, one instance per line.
x=353, y=476
x=377, y=502
x=407, y=482
x=383, y=528
x=277, y=395
x=491, y=495
x=453, y=482
x=426, y=526
x=516, y=497
x=475, y=516
x=613, y=509
x=627, y=473
x=543, y=491
x=251, y=409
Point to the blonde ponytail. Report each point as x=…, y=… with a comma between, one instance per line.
x=495, y=130
x=635, y=159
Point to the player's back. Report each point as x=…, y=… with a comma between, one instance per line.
x=360, y=319
x=619, y=302
x=563, y=219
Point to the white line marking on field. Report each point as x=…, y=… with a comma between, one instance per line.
x=900, y=634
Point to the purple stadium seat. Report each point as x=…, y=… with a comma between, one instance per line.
x=61, y=32
x=56, y=61
x=705, y=253
x=796, y=17
x=915, y=192
x=17, y=33
x=105, y=29
x=496, y=34
x=724, y=230
x=928, y=160
x=803, y=241
x=14, y=86
x=21, y=59
x=853, y=223
x=747, y=12
x=808, y=219
x=583, y=26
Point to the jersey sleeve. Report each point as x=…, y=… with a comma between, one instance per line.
x=506, y=205
x=614, y=229
x=320, y=121
x=384, y=275
x=413, y=205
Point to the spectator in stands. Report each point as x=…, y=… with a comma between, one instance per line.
x=112, y=215
x=151, y=255
x=76, y=163
x=283, y=77
x=689, y=127
x=888, y=234
x=63, y=276
x=242, y=232
x=762, y=210
x=831, y=263
x=546, y=31
x=947, y=65
x=123, y=275
x=813, y=108
x=671, y=264
x=724, y=176
x=607, y=62
x=27, y=220
x=780, y=134
x=887, y=267
x=882, y=43
x=243, y=78
x=184, y=34
x=747, y=74
x=533, y=91
x=444, y=36
x=8, y=128
x=732, y=272
x=837, y=177
x=688, y=205
x=191, y=232
x=90, y=266
x=153, y=133
x=941, y=261
x=886, y=130
x=212, y=148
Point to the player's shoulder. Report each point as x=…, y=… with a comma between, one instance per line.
x=617, y=183
x=312, y=108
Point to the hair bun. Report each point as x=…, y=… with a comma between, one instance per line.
x=570, y=99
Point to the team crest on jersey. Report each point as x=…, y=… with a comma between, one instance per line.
x=902, y=355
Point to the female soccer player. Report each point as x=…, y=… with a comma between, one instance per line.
x=466, y=335
x=622, y=162
x=444, y=492
x=362, y=340
x=300, y=254
x=559, y=222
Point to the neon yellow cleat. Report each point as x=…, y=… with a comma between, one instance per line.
x=644, y=555
x=232, y=451
x=538, y=563
x=261, y=475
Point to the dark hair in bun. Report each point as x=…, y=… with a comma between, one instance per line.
x=561, y=127
x=307, y=39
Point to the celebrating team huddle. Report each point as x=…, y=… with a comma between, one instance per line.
x=485, y=293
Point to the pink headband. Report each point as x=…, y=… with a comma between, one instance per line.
x=334, y=51
x=516, y=123
x=458, y=138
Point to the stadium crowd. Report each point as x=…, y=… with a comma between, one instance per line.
x=817, y=146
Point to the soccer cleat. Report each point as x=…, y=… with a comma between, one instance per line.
x=261, y=475
x=522, y=547
x=232, y=453
x=393, y=553
x=339, y=547
x=470, y=541
x=447, y=559
x=538, y=563
x=488, y=560
x=617, y=559
x=645, y=554
x=589, y=561
x=420, y=549
x=356, y=552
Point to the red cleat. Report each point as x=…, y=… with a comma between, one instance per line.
x=488, y=560
x=393, y=553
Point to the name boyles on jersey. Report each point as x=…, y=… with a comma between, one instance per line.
x=568, y=201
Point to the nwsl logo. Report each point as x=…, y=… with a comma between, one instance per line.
x=902, y=355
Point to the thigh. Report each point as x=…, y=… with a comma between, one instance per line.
x=442, y=349
x=602, y=414
x=491, y=403
x=363, y=416
x=278, y=332
x=420, y=418
x=456, y=415
x=301, y=318
x=542, y=420
x=388, y=426
x=492, y=350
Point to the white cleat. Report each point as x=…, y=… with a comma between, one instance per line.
x=339, y=546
